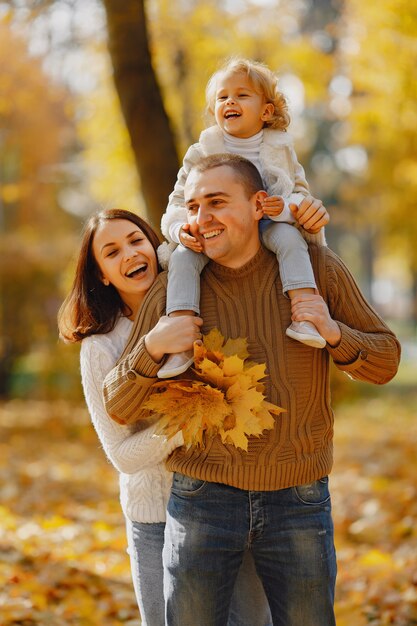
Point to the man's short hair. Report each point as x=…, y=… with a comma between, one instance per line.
x=245, y=171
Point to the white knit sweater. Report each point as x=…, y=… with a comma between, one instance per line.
x=138, y=456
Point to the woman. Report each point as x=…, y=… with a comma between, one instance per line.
x=116, y=268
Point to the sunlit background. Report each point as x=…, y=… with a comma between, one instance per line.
x=347, y=69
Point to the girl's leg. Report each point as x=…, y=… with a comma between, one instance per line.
x=183, y=298
x=145, y=544
x=296, y=273
x=183, y=293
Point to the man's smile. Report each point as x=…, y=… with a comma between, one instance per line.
x=211, y=234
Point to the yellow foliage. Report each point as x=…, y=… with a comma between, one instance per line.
x=376, y=558
x=107, y=154
x=10, y=193
x=383, y=117
x=227, y=400
x=82, y=569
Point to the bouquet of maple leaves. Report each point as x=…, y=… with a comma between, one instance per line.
x=226, y=397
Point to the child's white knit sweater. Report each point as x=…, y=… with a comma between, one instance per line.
x=138, y=456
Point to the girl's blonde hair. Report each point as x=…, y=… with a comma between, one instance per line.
x=264, y=82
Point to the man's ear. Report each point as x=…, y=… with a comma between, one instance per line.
x=259, y=198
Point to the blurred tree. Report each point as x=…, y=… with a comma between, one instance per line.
x=140, y=97
x=162, y=54
x=106, y=156
x=380, y=57
x=35, y=136
x=345, y=67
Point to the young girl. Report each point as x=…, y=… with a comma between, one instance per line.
x=116, y=269
x=251, y=120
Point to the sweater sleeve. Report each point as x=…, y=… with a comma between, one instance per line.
x=176, y=213
x=128, y=452
x=368, y=350
x=128, y=385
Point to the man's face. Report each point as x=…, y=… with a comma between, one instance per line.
x=227, y=219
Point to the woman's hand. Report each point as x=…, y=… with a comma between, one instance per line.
x=173, y=334
x=310, y=214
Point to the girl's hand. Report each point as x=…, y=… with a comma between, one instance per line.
x=273, y=205
x=310, y=214
x=173, y=334
x=187, y=239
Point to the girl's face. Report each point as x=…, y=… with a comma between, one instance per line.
x=126, y=260
x=239, y=109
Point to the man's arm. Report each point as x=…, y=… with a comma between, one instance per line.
x=129, y=384
x=125, y=389
x=358, y=340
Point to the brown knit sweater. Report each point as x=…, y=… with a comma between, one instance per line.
x=248, y=302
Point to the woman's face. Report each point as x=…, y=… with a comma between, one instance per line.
x=126, y=259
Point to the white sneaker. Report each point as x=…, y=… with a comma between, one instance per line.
x=176, y=364
x=307, y=333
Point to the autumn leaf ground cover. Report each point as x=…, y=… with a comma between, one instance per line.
x=62, y=546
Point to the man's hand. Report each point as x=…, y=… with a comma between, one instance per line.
x=173, y=334
x=312, y=308
x=273, y=205
x=310, y=214
x=188, y=239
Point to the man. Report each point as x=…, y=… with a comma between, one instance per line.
x=274, y=498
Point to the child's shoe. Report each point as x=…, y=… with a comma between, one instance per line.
x=307, y=333
x=176, y=364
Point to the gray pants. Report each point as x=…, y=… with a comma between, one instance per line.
x=284, y=240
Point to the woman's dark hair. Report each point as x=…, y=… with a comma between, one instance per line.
x=91, y=307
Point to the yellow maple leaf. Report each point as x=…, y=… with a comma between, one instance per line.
x=232, y=365
x=235, y=437
x=190, y=406
x=256, y=371
x=238, y=347
x=213, y=341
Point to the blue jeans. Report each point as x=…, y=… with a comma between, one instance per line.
x=249, y=606
x=289, y=532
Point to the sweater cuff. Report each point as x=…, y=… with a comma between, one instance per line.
x=350, y=353
x=143, y=365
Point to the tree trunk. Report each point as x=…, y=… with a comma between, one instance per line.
x=414, y=302
x=141, y=102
